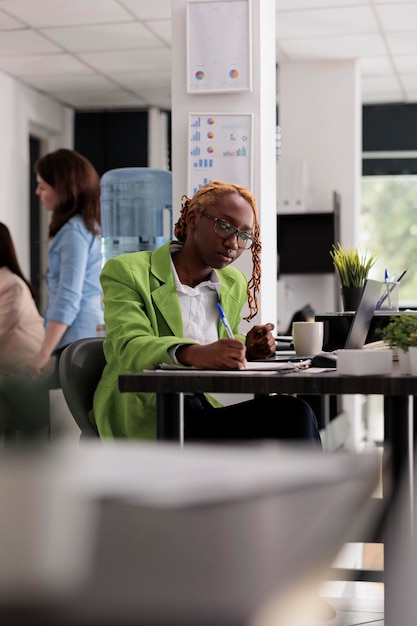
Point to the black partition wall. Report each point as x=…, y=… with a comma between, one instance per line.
x=112, y=139
x=389, y=129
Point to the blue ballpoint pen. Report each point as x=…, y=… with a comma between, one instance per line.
x=385, y=296
x=225, y=321
x=386, y=277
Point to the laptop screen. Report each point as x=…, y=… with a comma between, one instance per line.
x=363, y=316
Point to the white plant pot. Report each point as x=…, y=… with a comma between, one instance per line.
x=412, y=351
x=404, y=361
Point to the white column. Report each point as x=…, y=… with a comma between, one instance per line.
x=261, y=102
x=320, y=115
x=157, y=139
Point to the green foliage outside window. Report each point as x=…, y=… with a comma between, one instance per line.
x=389, y=227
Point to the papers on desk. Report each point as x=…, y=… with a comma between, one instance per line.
x=251, y=366
x=278, y=365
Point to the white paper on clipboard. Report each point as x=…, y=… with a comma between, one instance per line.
x=219, y=46
x=251, y=366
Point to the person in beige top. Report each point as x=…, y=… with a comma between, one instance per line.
x=21, y=326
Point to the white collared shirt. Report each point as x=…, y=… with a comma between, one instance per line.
x=200, y=317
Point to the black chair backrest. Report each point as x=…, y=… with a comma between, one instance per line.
x=80, y=368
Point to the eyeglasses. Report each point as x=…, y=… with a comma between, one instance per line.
x=226, y=231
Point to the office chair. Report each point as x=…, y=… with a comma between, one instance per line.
x=80, y=368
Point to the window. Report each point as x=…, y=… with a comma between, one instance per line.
x=389, y=227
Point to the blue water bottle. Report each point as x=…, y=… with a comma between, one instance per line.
x=136, y=210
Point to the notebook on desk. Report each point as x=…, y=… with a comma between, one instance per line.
x=358, y=329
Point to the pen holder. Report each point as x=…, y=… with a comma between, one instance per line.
x=389, y=296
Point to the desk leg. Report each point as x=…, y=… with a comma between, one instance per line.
x=325, y=407
x=397, y=434
x=168, y=412
x=398, y=418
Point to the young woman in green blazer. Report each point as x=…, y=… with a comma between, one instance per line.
x=161, y=307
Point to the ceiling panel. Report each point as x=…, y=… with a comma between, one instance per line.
x=291, y=5
x=103, y=37
x=107, y=53
x=87, y=100
x=410, y=82
x=397, y=17
x=41, y=13
x=45, y=65
x=349, y=47
x=146, y=10
x=381, y=90
x=376, y=66
x=161, y=28
x=342, y=21
x=140, y=81
x=394, y=2
x=155, y=59
x=69, y=83
x=7, y=22
x=406, y=64
x=403, y=44
x=24, y=42
x=157, y=88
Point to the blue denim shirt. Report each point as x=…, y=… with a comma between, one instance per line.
x=73, y=279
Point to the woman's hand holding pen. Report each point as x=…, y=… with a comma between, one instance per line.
x=224, y=354
x=260, y=344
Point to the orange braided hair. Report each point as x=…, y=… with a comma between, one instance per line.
x=202, y=200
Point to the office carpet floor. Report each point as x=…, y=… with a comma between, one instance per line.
x=349, y=612
x=358, y=611
x=356, y=603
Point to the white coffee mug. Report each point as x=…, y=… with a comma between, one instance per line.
x=307, y=337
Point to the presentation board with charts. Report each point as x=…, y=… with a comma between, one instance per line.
x=219, y=148
x=219, y=46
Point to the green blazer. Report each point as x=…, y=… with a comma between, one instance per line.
x=143, y=321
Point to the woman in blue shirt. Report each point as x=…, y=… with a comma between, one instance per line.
x=69, y=187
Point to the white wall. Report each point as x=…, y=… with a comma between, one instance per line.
x=320, y=115
x=23, y=111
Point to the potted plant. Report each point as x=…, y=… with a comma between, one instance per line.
x=401, y=334
x=352, y=268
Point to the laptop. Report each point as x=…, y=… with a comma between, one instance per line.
x=358, y=329
x=363, y=316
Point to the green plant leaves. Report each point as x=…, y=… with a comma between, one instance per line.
x=400, y=332
x=352, y=267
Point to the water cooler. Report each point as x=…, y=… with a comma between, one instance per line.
x=136, y=210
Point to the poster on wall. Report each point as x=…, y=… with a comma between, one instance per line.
x=219, y=148
x=219, y=46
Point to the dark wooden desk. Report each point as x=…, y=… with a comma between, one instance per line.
x=396, y=388
x=399, y=414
